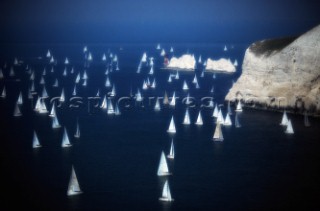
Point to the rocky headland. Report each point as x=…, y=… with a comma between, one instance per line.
x=281, y=74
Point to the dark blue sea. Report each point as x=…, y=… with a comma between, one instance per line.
x=256, y=167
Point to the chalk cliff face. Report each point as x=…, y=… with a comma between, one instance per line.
x=282, y=73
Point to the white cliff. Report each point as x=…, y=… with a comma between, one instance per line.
x=224, y=65
x=282, y=73
x=186, y=61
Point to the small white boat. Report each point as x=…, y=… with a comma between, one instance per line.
x=157, y=105
x=65, y=139
x=173, y=100
x=17, y=111
x=73, y=187
x=53, y=110
x=199, y=119
x=55, y=122
x=284, y=120
x=185, y=86
x=172, y=127
x=163, y=169
x=77, y=133
x=171, y=153
x=289, y=129
x=35, y=141
x=227, y=120
x=239, y=107
x=166, y=194
x=186, y=120
x=218, y=136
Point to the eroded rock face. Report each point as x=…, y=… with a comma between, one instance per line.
x=186, y=62
x=282, y=73
x=224, y=65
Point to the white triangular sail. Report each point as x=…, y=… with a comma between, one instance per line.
x=117, y=110
x=44, y=93
x=65, y=139
x=110, y=109
x=3, y=93
x=284, y=120
x=218, y=136
x=306, y=120
x=199, y=119
x=53, y=111
x=227, y=120
x=172, y=127
x=104, y=103
x=186, y=120
x=17, y=111
x=62, y=96
x=163, y=169
x=73, y=187
x=35, y=141
x=55, y=122
x=166, y=194
x=289, y=129
x=20, y=101
x=173, y=99
x=185, y=86
x=236, y=121
x=220, y=118
x=77, y=133
x=215, y=111
x=239, y=107
x=157, y=105
x=171, y=153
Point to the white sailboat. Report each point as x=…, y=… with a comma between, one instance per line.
x=163, y=52
x=215, y=111
x=227, y=120
x=239, y=107
x=117, y=110
x=108, y=83
x=3, y=93
x=172, y=127
x=235, y=63
x=177, y=76
x=171, y=50
x=236, y=121
x=48, y=54
x=20, y=101
x=185, y=85
x=56, y=83
x=289, y=129
x=197, y=86
x=42, y=81
x=77, y=78
x=153, y=85
x=139, y=96
x=163, y=169
x=166, y=194
x=173, y=100
x=84, y=76
x=113, y=91
x=104, y=103
x=157, y=105
x=218, y=136
x=200, y=60
x=53, y=110
x=144, y=85
x=62, y=97
x=43, y=107
x=165, y=98
x=64, y=72
x=74, y=93
x=195, y=79
x=225, y=48
x=199, y=119
x=220, y=118
x=65, y=139
x=44, y=93
x=169, y=79
x=144, y=58
x=110, y=109
x=151, y=71
x=77, y=133
x=229, y=108
x=171, y=153
x=284, y=120
x=158, y=47
x=35, y=141
x=17, y=111
x=55, y=122
x=104, y=57
x=73, y=187
x=84, y=82
x=186, y=120
x=306, y=120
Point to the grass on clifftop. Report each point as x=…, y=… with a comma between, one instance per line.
x=268, y=47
